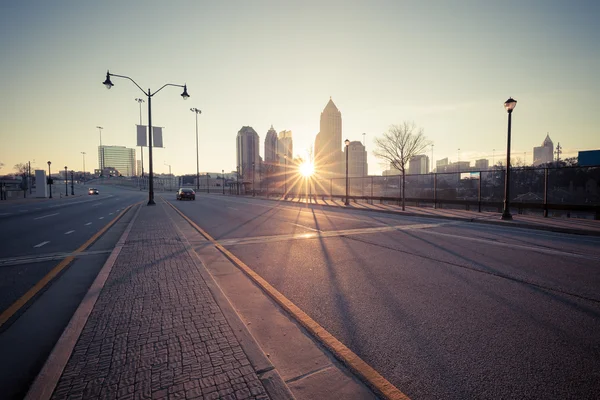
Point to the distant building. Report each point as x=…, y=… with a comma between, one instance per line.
x=271, y=147
x=418, y=165
x=357, y=159
x=482, y=164
x=328, y=144
x=120, y=158
x=544, y=153
x=139, y=167
x=285, y=146
x=248, y=157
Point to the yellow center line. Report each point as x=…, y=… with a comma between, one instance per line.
x=363, y=370
x=17, y=305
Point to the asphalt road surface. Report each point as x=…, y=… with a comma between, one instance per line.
x=442, y=309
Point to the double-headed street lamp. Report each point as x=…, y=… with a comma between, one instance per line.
x=140, y=101
x=149, y=94
x=196, y=111
x=66, y=182
x=49, y=179
x=509, y=105
x=347, y=143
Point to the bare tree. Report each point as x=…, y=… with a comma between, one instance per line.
x=21, y=168
x=398, y=145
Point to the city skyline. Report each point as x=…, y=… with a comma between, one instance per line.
x=464, y=61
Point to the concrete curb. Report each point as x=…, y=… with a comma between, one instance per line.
x=45, y=383
x=265, y=370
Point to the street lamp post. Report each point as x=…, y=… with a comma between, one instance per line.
x=149, y=94
x=509, y=105
x=347, y=143
x=223, y=176
x=101, y=157
x=66, y=183
x=196, y=111
x=170, y=176
x=83, y=153
x=49, y=180
x=72, y=187
x=237, y=179
x=140, y=101
x=253, y=173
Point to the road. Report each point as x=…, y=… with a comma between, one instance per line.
x=442, y=309
x=35, y=238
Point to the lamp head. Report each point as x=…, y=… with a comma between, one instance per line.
x=49, y=162
x=510, y=104
x=185, y=94
x=347, y=142
x=107, y=81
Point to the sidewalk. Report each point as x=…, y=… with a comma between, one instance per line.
x=151, y=328
x=553, y=224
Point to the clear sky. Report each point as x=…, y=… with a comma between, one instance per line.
x=446, y=65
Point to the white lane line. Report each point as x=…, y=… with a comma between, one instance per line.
x=46, y=216
x=306, y=227
x=110, y=213
x=89, y=223
x=101, y=218
x=41, y=244
x=68, y=232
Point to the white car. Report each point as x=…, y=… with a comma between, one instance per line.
x=93, y=191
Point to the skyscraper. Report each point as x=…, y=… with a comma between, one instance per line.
x=418, y=164
x=544, y=153
x=285, y=145
x=328, y=144
x=120, y=158
x=357, y=160
x=271, y=146
x=248, y=144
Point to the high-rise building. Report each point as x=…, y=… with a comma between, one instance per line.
x=440, y=165
x=248, y=144
x=544, y=153
x=418, y=164
x=357, y=160
x=328, y=144
x=482, y=164
x=119, y=158
x=271, y=146
x=139, y=167
x=285, y=146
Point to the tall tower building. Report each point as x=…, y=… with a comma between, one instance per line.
x=418, y=164
x=271, y=146
x=119, y=158
x=286, y=145
x=544, y=153
x=328, y=144
x=357, y=160
x=248, y=144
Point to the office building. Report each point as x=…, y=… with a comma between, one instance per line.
x=119, y=158
x=271, y=147
x=328, y=144
x=357, y=160
x=418, y=164
x=543, y=154
x=248, y=157
x=285, y=146
x=482, y=164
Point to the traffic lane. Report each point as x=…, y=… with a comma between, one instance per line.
x=57, y=231
x=522, y=236
x=15, y=280
x=230, y=218
x=436, y=330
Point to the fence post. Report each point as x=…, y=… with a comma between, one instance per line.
x=479, y=193
x=546, y=192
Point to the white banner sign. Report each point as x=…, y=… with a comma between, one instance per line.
x=157, y=138
x=142, y=137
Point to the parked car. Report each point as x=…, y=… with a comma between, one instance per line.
x=185, y=193
x=93, y=191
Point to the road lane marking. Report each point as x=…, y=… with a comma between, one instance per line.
x=110, y=213
x=46, y=216
x=101, y=218
x=306, y=227
x=16, y=306
x=89, y=223
x=42, y=244
x=367, y=373
x=68, y=232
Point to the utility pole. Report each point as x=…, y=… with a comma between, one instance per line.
x=557, y=152
x=140, y=101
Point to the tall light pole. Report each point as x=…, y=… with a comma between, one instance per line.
x=66, y=183
x=347, y=143
x=223, y=176
x=149, y=94
x=170, y=175
x=509, y=105
x=83, y=153
x=101, y=156
x=49, y=179
x=196, y=111
x=140, y=101
x=72, y=187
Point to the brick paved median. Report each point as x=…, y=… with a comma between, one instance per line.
x=156, y=332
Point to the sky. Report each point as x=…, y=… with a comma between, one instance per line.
x=447, y=66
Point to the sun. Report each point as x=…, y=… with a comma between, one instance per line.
x=307, y=169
